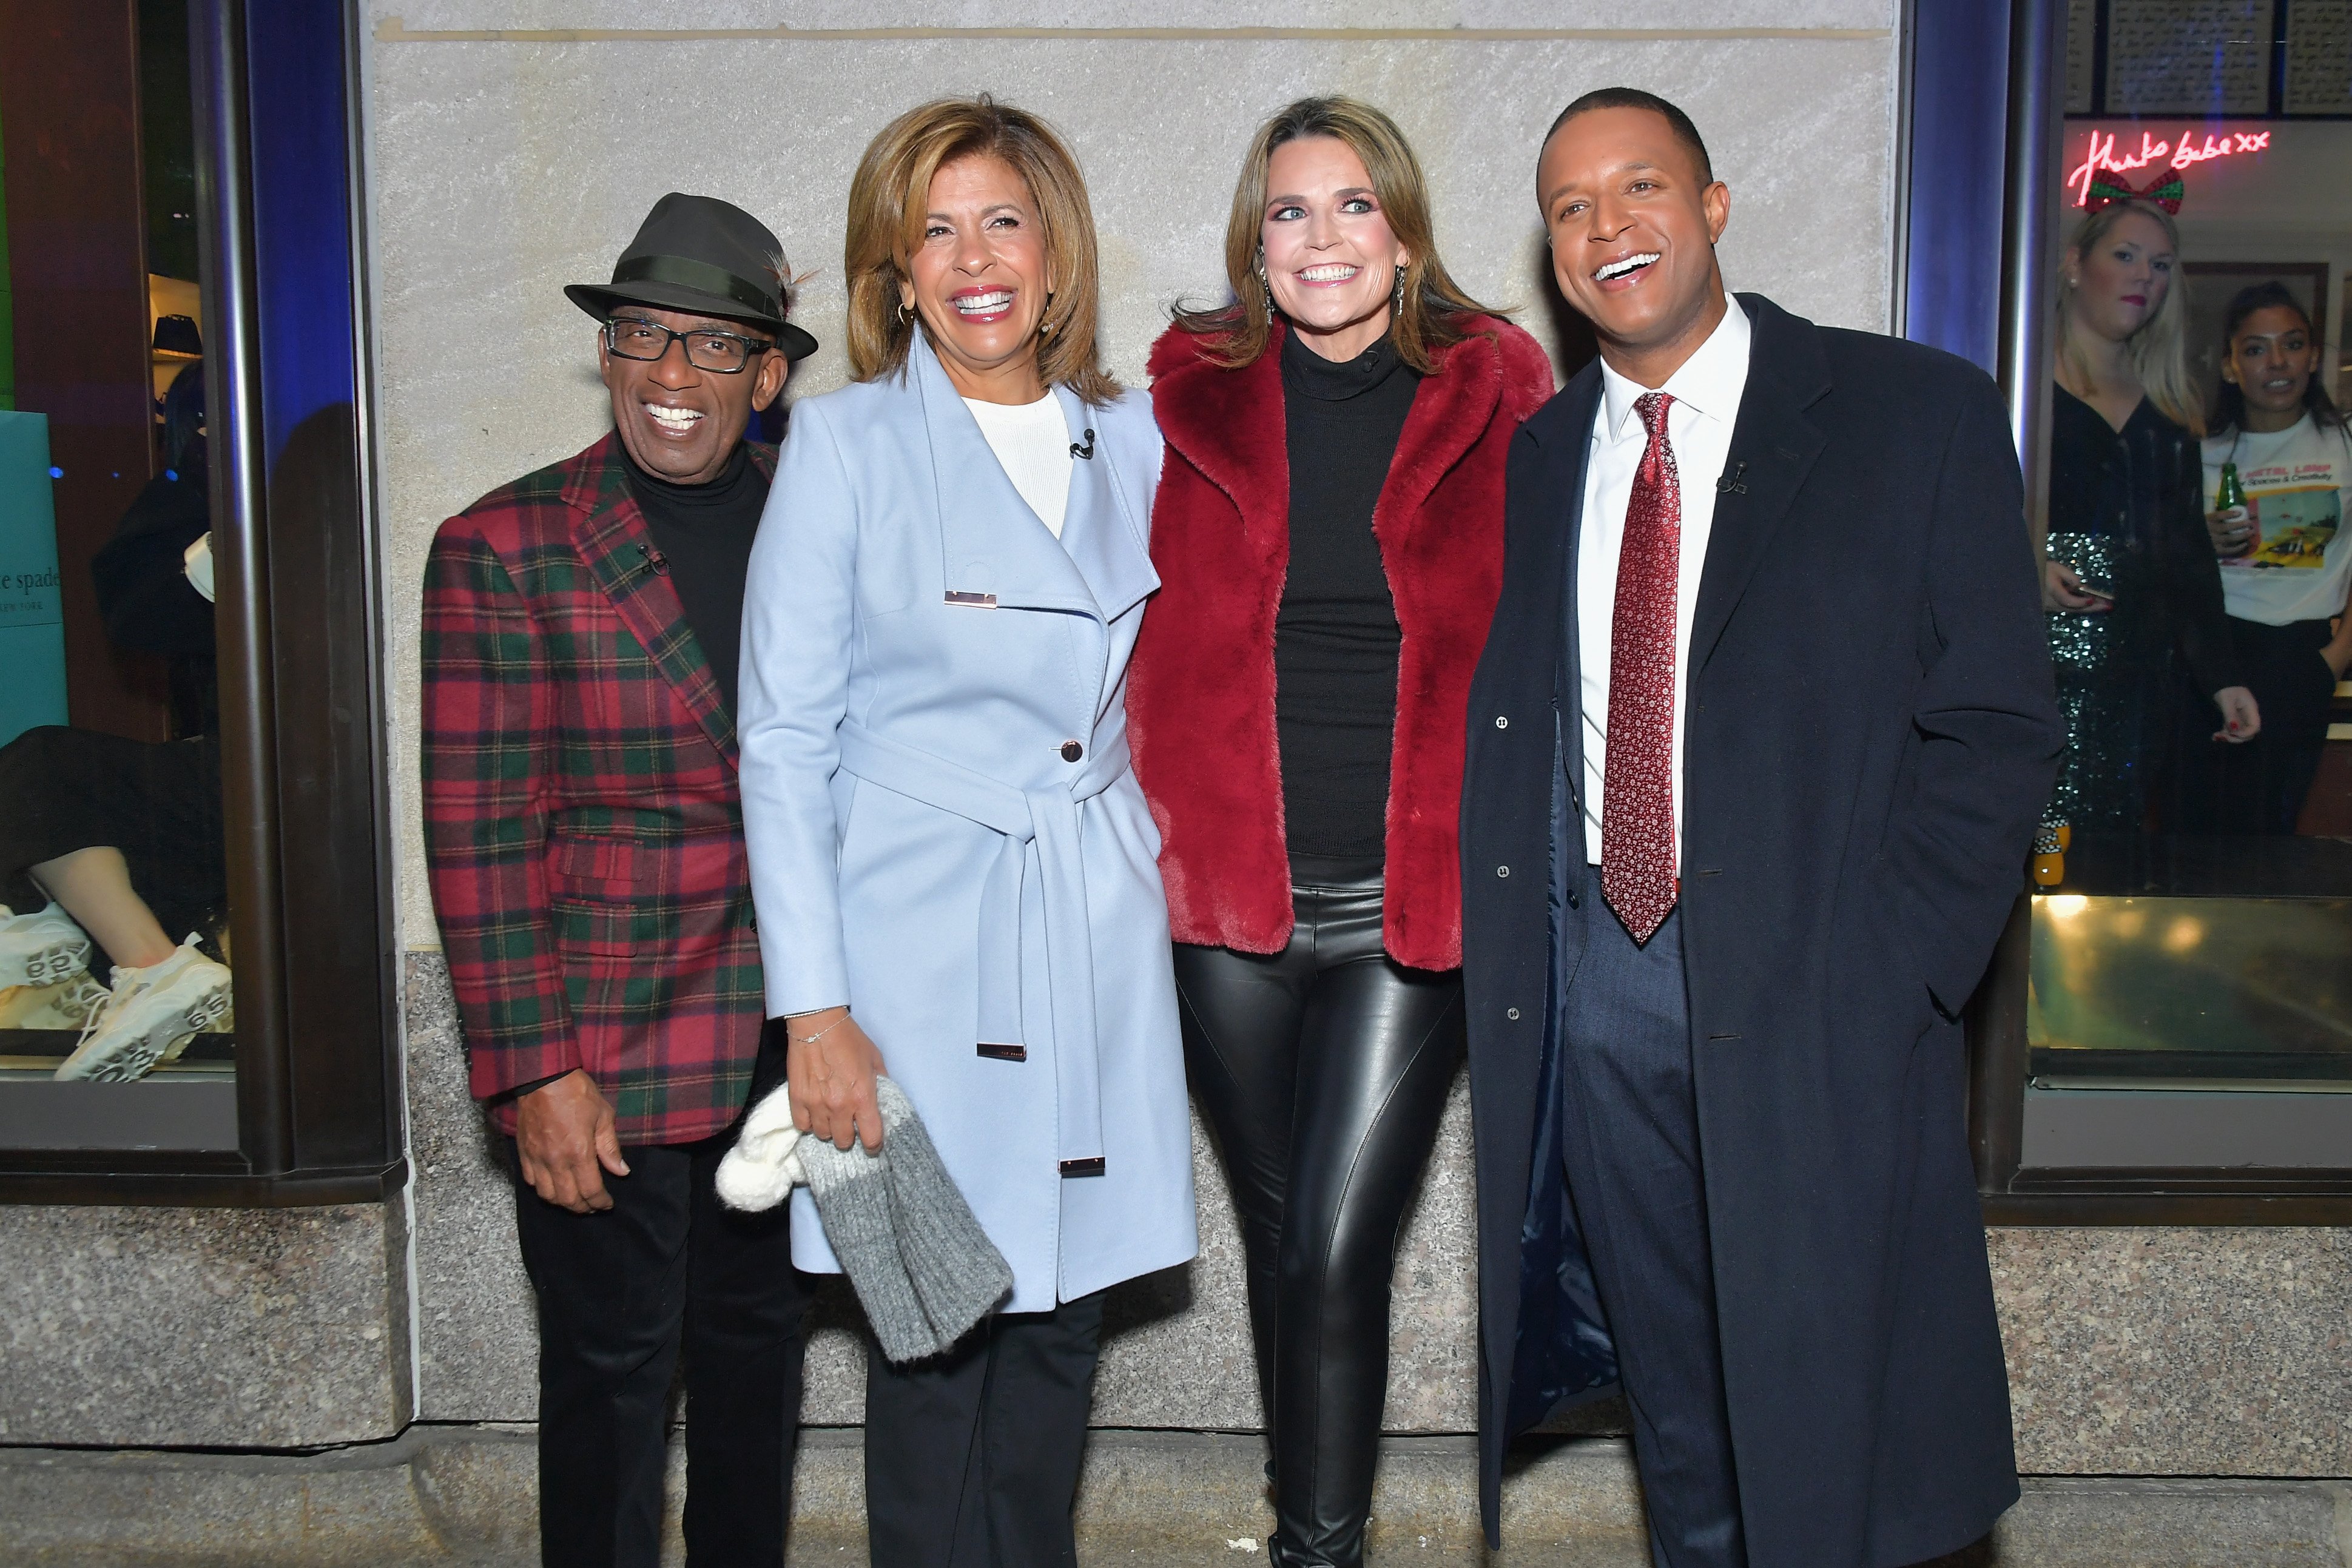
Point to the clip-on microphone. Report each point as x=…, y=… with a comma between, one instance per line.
x=1087, y=451
x=1729, y=484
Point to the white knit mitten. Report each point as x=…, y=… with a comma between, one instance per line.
x=760, y=1171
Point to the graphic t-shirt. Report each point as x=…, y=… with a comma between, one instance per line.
x=2299, y=483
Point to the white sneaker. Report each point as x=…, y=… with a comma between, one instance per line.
x=151, y=1016
x=41, y=949
x=65, y=1006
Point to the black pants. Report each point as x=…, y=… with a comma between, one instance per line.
x=65, y=789
x=2258, y=788
x=1628, y=1145
x=1323, y=1069
x=618, y=1292
x=972, y=1458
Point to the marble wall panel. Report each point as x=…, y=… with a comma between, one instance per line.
x=2178, y=1351
x=2152, y=1351
x=262, y=1328
x=1177, y=1352
x=513, y=148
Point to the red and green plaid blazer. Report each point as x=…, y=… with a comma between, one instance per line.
x=582, y=822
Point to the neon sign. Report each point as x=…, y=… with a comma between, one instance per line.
x=2174, y=154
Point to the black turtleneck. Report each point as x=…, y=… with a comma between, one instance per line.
x=1335, y=635
x=704, y=534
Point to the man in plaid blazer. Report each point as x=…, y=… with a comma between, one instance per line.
x=585, y=841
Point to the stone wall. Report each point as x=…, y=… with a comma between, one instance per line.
x=515, y=145
x=505, y=164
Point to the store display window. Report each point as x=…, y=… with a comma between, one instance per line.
x=186, y=720
x=2172, y=1014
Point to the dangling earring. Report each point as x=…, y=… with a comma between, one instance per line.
x=1044, y=317
x=1263, y=286
x=904, y=319
x=1396, y=295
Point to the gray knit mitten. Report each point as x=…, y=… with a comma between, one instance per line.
x=853, y=1199
x=956, y=1271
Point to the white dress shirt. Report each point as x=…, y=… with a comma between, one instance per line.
x=1706, y=392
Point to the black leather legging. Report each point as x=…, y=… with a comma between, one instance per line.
x=1323, y=1070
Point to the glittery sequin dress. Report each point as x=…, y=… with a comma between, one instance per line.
x=2127, y=513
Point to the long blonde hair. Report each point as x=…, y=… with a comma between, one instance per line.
x=1435, y=307
x=889, y=197
x=2158, y=350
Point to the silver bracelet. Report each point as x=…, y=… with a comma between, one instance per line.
x=813, y=1038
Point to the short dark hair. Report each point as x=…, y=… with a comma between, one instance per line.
x=1634, y=97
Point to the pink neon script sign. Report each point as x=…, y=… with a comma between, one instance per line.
x=2176, y=155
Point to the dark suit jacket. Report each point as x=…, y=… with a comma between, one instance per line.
x=1869, y=733
x=584, y=829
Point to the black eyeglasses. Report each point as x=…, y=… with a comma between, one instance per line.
x=707, y=348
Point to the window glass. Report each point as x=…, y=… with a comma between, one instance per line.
x=2193, y=914
x=116, y=1024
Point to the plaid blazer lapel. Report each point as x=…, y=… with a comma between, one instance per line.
x=610, y=530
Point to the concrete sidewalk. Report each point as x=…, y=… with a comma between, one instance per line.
x=442, y=1497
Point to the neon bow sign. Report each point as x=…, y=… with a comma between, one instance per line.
x=2102, y=157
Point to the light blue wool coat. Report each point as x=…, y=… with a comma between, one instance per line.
x=928, y=845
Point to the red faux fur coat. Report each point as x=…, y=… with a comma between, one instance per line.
x=1199, y=695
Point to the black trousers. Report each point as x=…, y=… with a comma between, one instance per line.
x=2258, y=788
x=65, y=789
x=619, y=1292
x=1323, y=1069
x=972, y=1458
x=1628, y=1145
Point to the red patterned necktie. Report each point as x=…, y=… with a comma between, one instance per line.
x=1637, y=788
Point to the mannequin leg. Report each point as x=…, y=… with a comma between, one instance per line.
x=94, y=885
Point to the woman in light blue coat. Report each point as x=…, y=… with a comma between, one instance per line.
x=954, y=869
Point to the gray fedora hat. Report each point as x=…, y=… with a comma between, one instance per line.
x=706, y=256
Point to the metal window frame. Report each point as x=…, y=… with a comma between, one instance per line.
x=304, y=780
x=1973, y=268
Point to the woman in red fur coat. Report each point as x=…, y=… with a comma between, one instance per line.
x=1328, y=533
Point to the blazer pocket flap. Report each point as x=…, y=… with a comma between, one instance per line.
x=597, y=869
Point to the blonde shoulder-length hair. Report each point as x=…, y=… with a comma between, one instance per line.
x=889, y=196
x=1435, y=310
x=2160, y=348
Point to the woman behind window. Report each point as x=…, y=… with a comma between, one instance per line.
x=1329, y=532
x=2131, y=573
x=2286, y=564
x=945, y=835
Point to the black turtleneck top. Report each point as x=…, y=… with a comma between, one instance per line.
x=1335, y=635
x=704, y=533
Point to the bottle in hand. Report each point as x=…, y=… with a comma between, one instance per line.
x=2237, y=512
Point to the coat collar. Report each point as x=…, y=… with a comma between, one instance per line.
x=1229, y=424
x=1773, y=448
x=1774, y=444
x=992, y=544
x=608, y=528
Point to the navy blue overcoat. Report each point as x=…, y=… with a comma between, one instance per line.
x=1869, y=733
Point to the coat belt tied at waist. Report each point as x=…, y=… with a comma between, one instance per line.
x=1048, y=818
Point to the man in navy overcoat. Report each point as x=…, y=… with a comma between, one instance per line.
x=1756, y=751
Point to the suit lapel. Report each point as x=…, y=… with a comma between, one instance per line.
x=1100, y=533
x=1568, y=442
x=991, y=545
x=609, y=530
x=1773, y=447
